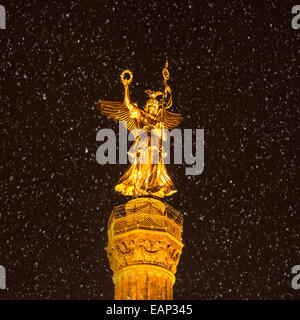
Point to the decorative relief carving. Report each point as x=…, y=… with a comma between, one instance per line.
x=144, y=251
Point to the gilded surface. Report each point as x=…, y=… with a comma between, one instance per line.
x=145, y=176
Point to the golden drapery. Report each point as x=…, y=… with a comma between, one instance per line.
x=145, y=176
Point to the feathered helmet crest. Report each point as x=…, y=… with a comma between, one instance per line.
x=153, y=100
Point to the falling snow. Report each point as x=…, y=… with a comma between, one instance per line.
x=233, y=74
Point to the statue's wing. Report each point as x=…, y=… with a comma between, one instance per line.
x=171, y=120
x=117, y=111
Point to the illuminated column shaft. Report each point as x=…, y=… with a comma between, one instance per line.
x=142, y=283
x=144, y=248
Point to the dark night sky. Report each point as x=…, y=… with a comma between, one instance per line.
x=233, y=73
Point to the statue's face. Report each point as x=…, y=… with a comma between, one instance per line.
x=152, y=107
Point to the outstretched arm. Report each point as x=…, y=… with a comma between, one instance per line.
x=133, y=108
x=126, y=83
x=126, y=94
x=125, y=111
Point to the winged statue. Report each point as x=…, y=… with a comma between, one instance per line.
x=145, y=177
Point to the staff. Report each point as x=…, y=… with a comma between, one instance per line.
x=167, y=89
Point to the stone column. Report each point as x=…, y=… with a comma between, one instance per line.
x=144, y=248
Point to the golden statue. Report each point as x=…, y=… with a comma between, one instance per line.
x=144, y=177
